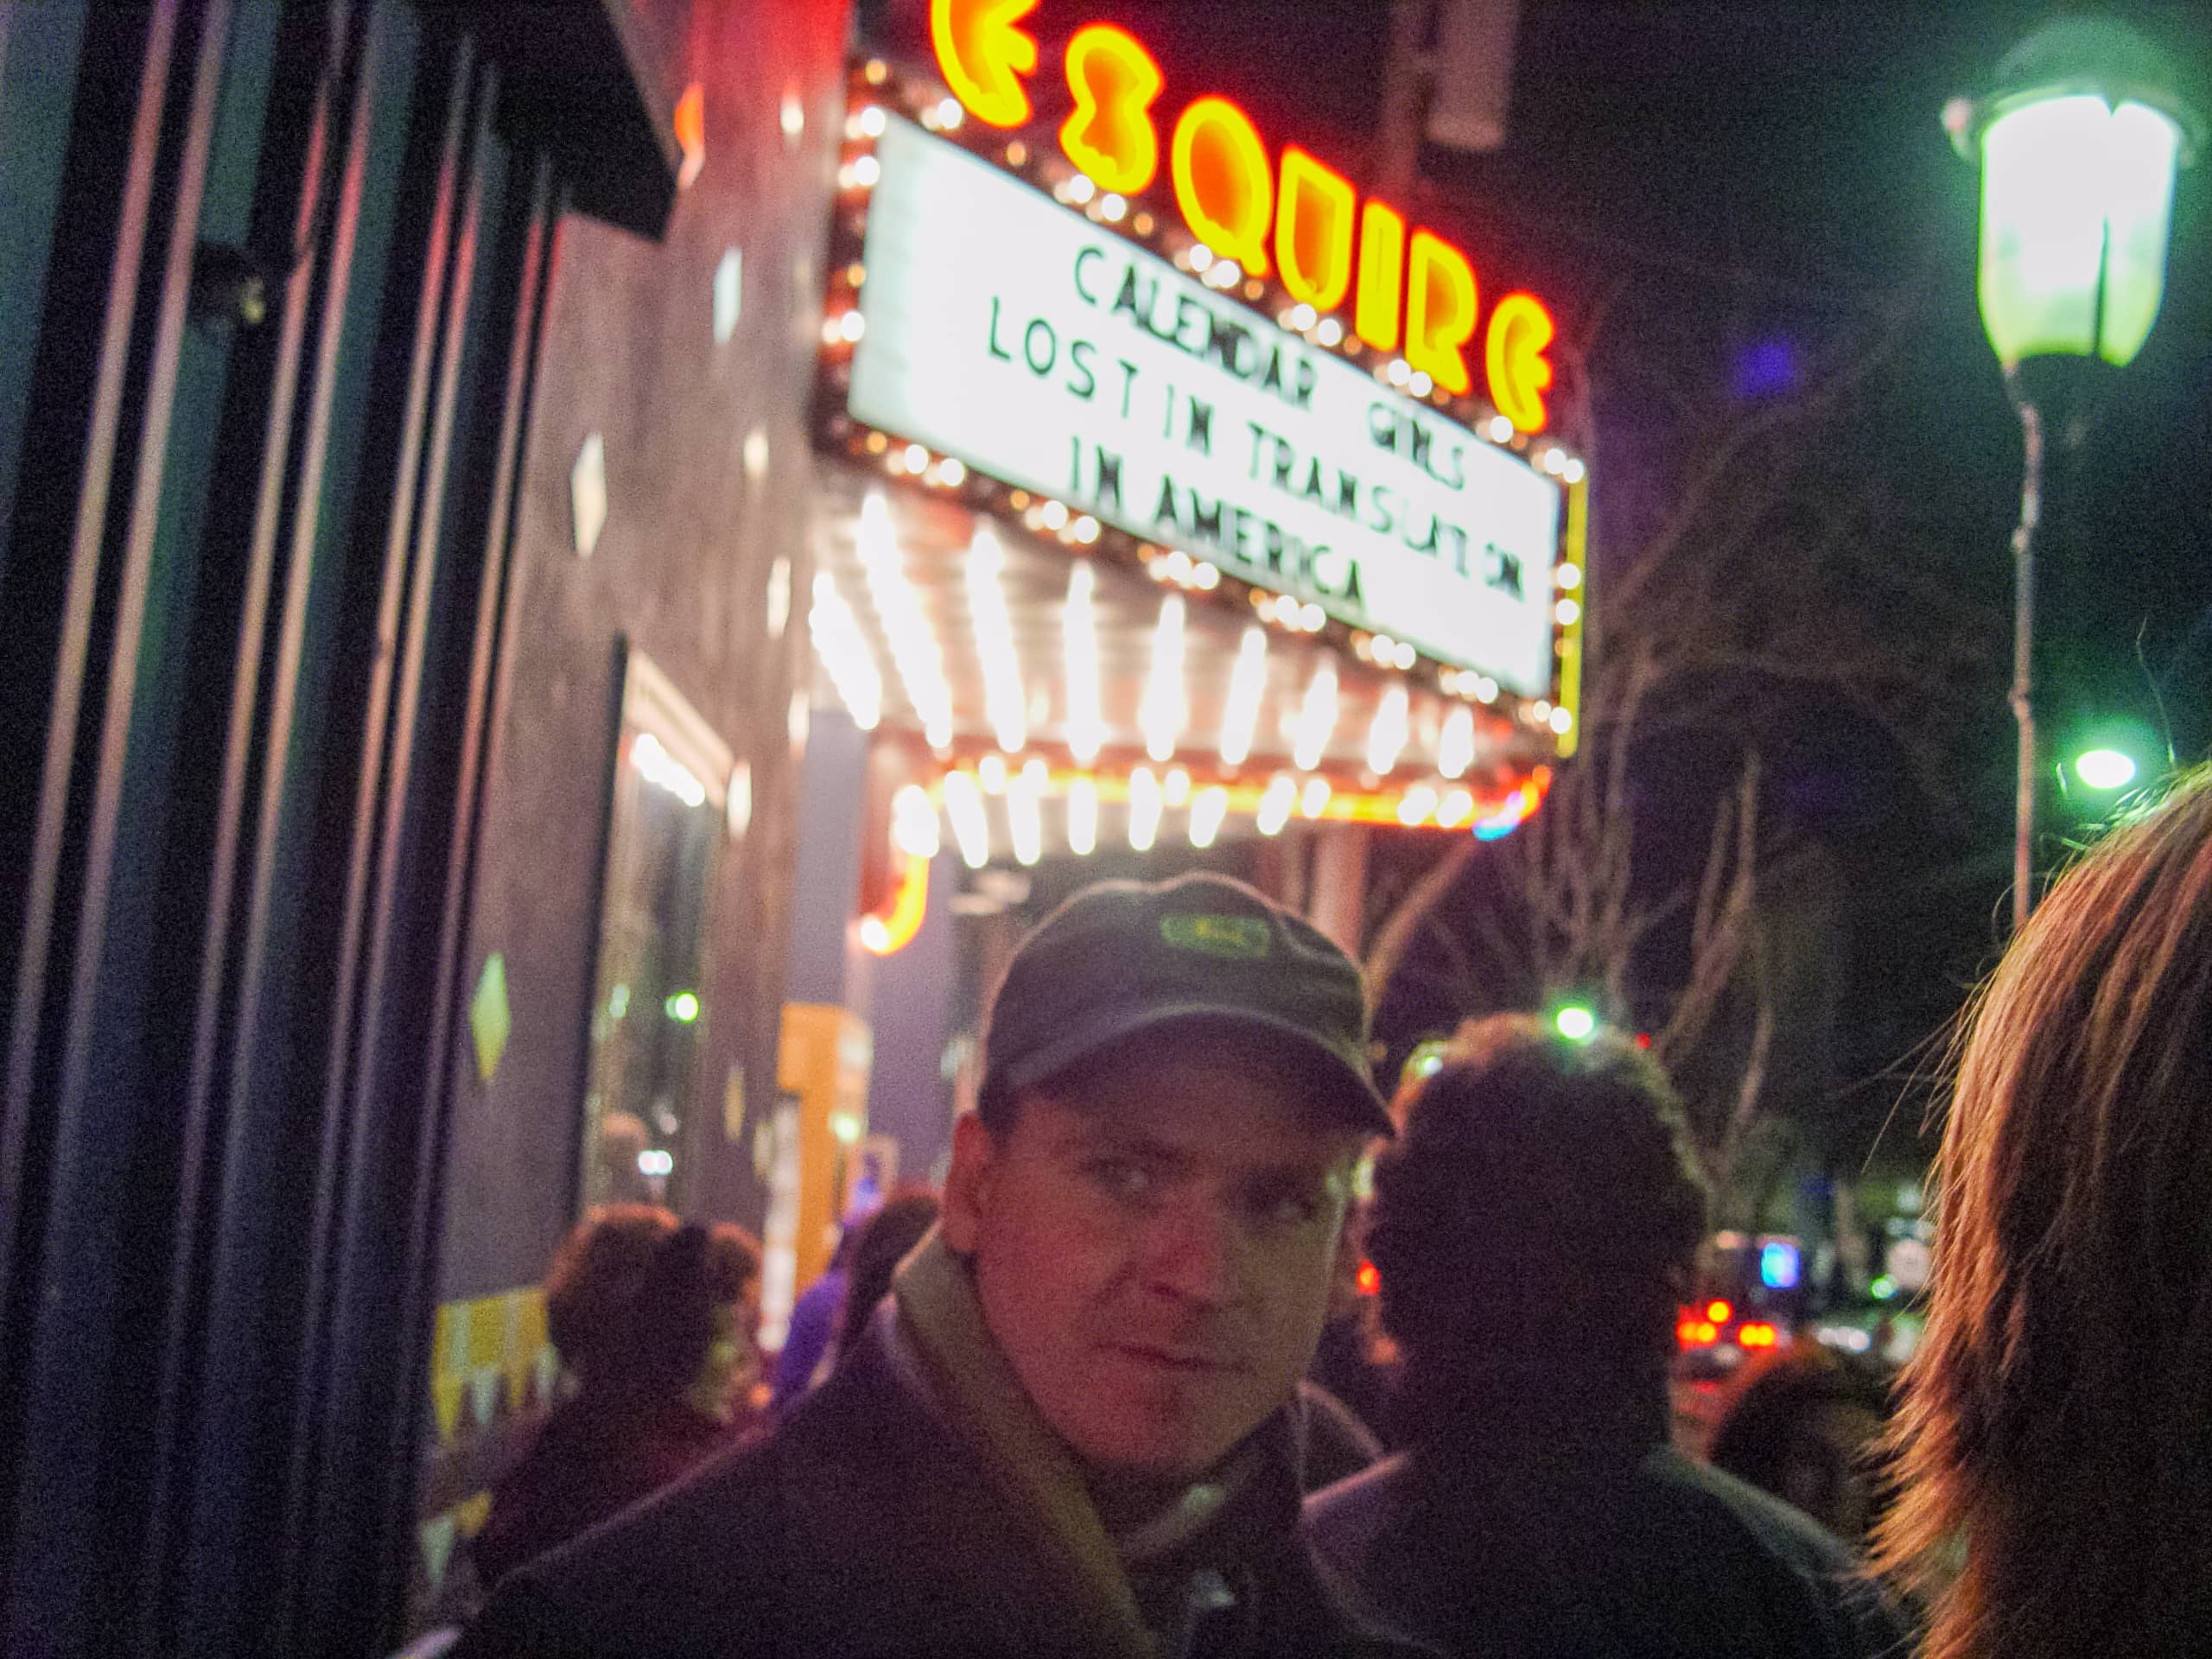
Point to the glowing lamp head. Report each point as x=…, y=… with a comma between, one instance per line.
x=1577, y=1024
x=2104, y=769
x=2079, y=143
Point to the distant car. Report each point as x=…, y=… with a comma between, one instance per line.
x=1750, y=1294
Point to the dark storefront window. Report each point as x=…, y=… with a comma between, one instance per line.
x=671, y=804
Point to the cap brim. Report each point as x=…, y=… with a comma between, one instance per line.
x=1348, y=1092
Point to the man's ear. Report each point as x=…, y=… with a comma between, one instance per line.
x=967, y=1183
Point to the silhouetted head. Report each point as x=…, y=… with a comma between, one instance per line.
x=883, y=1241
x=640, y=1304
x=1538, y=1217
x=1804, y=1423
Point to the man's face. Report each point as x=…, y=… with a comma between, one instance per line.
x=1154, y=1258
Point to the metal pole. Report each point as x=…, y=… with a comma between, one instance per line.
x=2023, y=622
x=1405, y=86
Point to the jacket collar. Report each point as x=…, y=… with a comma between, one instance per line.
x=942, y=1344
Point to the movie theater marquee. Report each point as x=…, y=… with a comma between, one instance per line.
x=1004, y=329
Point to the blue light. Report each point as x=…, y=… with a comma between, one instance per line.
x=1779, y=1265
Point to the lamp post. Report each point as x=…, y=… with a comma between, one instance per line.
x=2078, y=141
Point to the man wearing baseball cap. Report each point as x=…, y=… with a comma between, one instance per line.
x=1069, y=1429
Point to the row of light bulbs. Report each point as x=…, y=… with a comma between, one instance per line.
x=918, y=660
x=1147, y=795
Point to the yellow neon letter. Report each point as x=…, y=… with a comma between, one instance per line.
x=1513, y=354
x=983, y=56
x=1313, y=230
x=1222, y=181
x=1382, y=262
x=1110, y=135
x=1439, y=310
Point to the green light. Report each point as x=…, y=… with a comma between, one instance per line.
x=1883, y=1288
x=1426, y=1059
x=2104, y=769
x=1577, y=1024
x=683, y=1008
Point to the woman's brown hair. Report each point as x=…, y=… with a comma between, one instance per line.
x=2057, y=1420
x=631, y=1295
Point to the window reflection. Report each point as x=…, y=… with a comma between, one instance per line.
x=643, y=1125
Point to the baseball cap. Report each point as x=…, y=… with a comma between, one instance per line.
x=1124, y=957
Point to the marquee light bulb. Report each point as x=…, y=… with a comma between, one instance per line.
x=1086, y=732
x=1006, y=706
x=1386, y=738
x=1248, y=684
x=1161, y=715
x=914, y=650
x=1023, y=817
x=963, y=805
x=1455, y=745
x=1208, y=809
x=1083, y=816
x=842, y=650
x=1317, y=718
x=1144, y=810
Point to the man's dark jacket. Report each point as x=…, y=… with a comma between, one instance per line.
x=1613, y=1549
x=861, y=1525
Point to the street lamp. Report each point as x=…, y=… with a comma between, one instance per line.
x=2078, y=143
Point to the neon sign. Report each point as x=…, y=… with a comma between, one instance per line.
x=1421, y=291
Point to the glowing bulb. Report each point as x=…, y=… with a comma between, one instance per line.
x=914, y=650
x=1386, y=738
x=1275, y=803
x=1567, y=611
x=1086, y=731
x=913, y=821
x=1175, y=787
x=1330, y=332
x=1455, y=809
x=1025, y=821
x=1144, y=810
x=1248, y=685
x=1315, y=796
x=1455, y=745
x=1317, y=719
x=1082, y=815
x=1003, y=700
x=1577, y=1024
x=1416, y=805
x=1501, y=430
x=964, y=804
x=1568, y=576
x=2105, y=769
x=1161, y=714
x=1207, y=811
